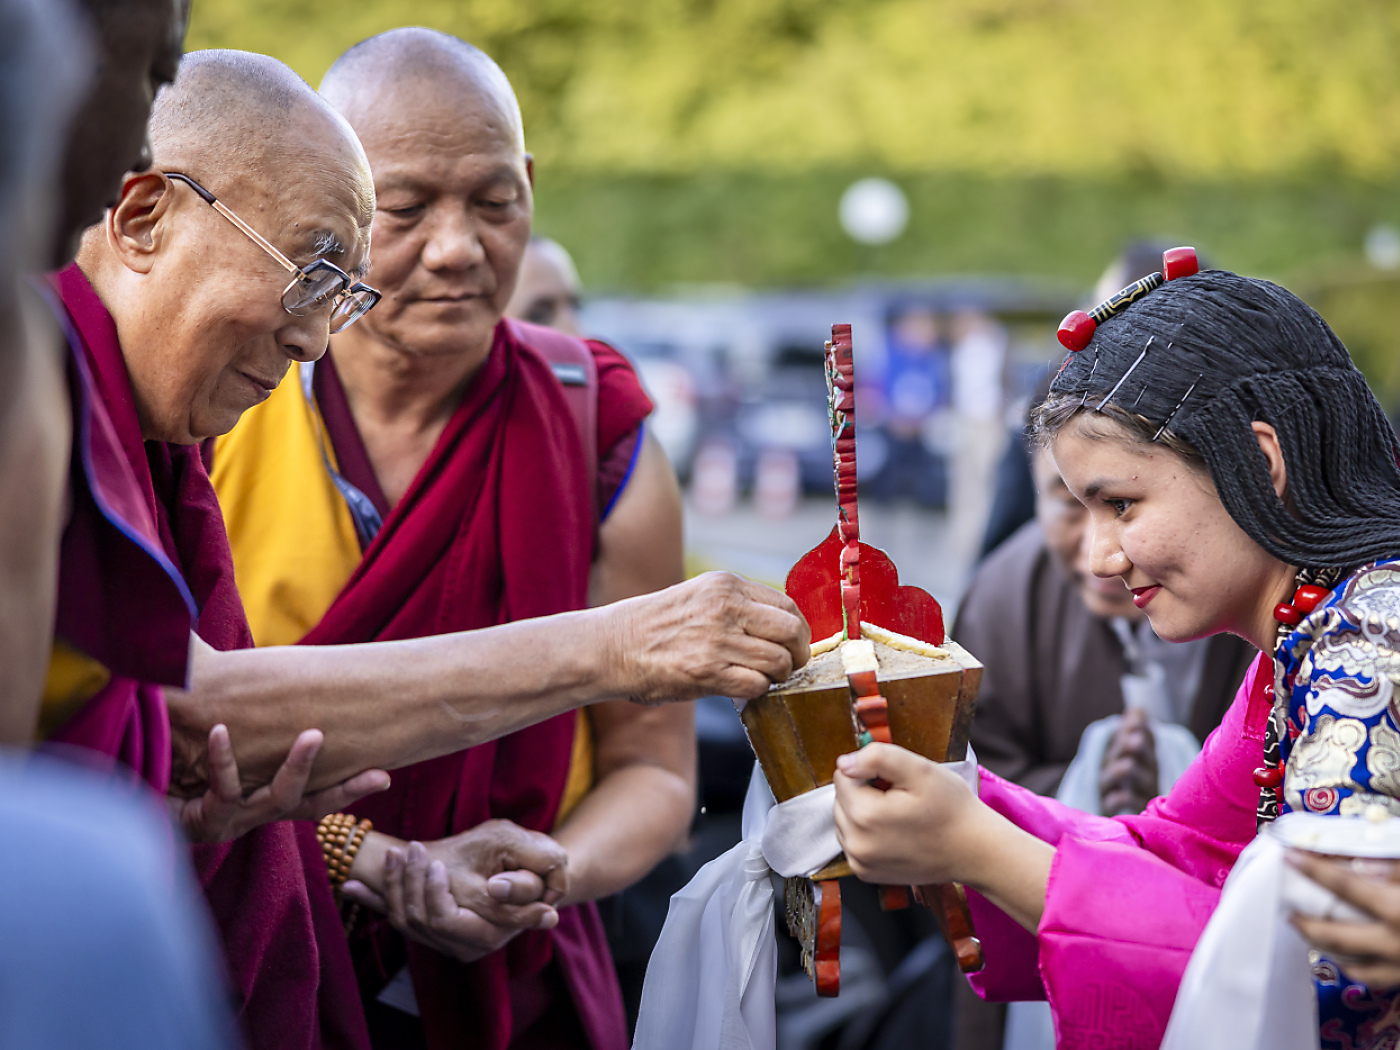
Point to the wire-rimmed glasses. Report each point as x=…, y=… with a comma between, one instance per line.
x=314, y=285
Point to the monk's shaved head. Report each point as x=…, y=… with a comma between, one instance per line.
x=369, y=77
x=243, y=115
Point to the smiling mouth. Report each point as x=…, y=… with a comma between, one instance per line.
x=267, y=386
x=464, y=297
x=1143, y=595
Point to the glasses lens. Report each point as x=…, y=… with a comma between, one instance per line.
x=311, y=291
x=350, y=308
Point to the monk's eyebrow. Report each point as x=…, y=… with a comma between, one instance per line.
x=325, y=243
x=1094, y=488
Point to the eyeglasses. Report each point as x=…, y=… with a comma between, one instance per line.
x=314, y=286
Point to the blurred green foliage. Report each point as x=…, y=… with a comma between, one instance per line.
x=1196, y=87
x=708, y=141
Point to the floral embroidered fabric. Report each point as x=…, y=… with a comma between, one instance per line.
x=1337, y=672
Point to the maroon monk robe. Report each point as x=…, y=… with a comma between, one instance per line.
x=121, y=599
x=283, y=942
x=497, y=526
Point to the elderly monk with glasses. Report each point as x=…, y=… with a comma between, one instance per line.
x=185, y=321
x=455, y=470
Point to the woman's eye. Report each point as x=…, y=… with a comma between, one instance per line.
x=1118, y=506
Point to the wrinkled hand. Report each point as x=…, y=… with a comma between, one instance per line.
x=912, y=834
x=1128, y=780
x=716, y=634
x=223, y=812
x=1369, y=952
x=469, y=894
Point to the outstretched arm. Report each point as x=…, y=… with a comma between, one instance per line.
x=389, y=704
x=643, y=796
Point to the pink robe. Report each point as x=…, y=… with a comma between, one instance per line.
x=1128, y=897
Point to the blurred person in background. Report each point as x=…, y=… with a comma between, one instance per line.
x=1079, y=699
x=547, y=289
x=915, y=386
x=103, y=942
x=977, y=360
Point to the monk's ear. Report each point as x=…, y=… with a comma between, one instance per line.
x=1267, y=437
x=530, y=169
x=136, y=224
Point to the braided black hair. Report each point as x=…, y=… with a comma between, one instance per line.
x=1240, y=350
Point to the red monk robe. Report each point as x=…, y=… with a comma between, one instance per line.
x=498, y=525
x=147, y=535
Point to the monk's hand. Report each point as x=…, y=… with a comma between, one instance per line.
x=716, y=634
x=223, y=812
x=914, y=833
x=1369, y=952
x=505, y=873
x=419, y=902
x=1128, y=780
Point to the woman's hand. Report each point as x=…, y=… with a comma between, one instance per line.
x=930, y=827
x=466, y=895
x=1369, y=952
x=908, y=835
x=223, y=813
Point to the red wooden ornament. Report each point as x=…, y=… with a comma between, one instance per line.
x=1179, y=262
x=1076, y=330
x=1285, y=613
x=814, y=584
x=1267, y=777
x=1307, y=597
x=827, y=955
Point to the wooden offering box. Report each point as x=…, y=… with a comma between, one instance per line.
x=798, y=728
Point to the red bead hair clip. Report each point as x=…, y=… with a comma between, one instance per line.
x=1078, y=327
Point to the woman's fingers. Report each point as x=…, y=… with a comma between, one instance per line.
x=883, y=761
x=1364, y=942
x=1373, y=896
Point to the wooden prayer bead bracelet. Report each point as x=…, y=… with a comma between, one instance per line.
x=340, y=837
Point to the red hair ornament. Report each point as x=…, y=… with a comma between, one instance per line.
x=1078, y=327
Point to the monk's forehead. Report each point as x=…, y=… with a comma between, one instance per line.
x=440, y=113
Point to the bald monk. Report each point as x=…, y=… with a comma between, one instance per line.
x=547, y=288
x=182, y=318
x=486, y=504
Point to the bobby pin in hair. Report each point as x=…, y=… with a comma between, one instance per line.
x=1090, y=381
x=1167, y=422
x=1109, y=396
